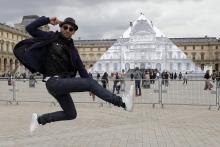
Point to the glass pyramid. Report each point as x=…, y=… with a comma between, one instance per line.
x=143, y=45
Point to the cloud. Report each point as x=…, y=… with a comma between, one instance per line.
x=103, y=18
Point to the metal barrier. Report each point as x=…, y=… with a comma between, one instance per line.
x=162, y=92
x=32, y=92
x=7, y=90
x=177, y=93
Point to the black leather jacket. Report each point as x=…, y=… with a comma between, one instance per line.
x=58, y=60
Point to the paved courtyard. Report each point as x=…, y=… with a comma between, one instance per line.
x=104, y=126
x=95, y=126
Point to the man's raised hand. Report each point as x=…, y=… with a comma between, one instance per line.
x=54, y=21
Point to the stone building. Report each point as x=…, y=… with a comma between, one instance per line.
x=91, y=50
x=204, y=51
x=9, y=36
x=27, y=20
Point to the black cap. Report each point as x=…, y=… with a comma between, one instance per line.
x=69, y=21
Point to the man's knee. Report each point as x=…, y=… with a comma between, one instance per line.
x=71, y=116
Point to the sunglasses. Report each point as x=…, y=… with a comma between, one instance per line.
x=66, y=28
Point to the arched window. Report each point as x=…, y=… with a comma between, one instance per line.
x=99, y=66
x=11, y=65
x=127, y=66
x=188, y=66
x=158, y=66
x=16, y=63
x=148, y=66
x=202, y=56
x=142, y=66
x=12, y=46
x=194, y=56
x=179, y=66
x=91, y=56
x=83, y=56
x=5, y=65
x=1, y=46
x=98, y=56
x=202, y=67
x=216, y=55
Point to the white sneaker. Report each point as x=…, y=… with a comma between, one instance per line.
x=34, y=123
x=129, y=99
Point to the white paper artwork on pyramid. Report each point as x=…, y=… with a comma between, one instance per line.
x=143, y=45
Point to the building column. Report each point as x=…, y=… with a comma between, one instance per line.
x=13, y=65
x=10, y=47
x=1, y=45
x=1, y=65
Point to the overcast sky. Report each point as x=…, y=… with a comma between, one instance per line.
x=107, y=19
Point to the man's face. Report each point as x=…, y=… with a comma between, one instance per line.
x=67, y=30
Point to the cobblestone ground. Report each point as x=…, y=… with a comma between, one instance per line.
x=95, y=126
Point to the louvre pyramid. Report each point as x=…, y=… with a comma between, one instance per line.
x=143, y=45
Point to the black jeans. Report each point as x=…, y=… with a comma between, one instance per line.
x=60, y=89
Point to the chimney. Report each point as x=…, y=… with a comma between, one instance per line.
x=131, y=24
